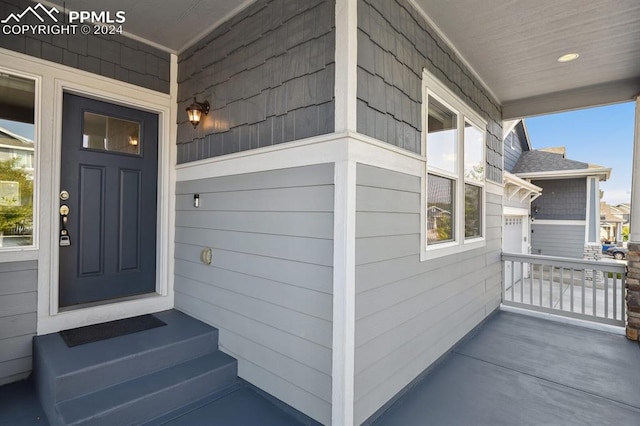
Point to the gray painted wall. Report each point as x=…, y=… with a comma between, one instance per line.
x=112, y=56
x=268, y=74
x=558, y=240
x=514, y=144
x=394, y=45
x=269, y=288
x=561, y=199
x=408, y=313
x=18, y=312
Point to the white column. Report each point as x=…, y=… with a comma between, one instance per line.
x=344, y=292
x=346, y=55
x=343, y=369
x=634, y=222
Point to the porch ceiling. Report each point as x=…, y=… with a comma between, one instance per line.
x=171, y=24
x=514, y=45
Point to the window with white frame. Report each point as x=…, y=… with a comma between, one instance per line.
x=454, y=196
x=17, y=149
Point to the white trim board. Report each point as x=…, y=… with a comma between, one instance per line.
x=55, y=79
x=344, y=293
x=330, y=148
x=602, y=172
x=346, y=65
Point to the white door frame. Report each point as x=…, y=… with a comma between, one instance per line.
x=54, y=79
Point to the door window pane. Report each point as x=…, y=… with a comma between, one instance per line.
x=472, y=211
x=110, y=134
x=473, y=153
x=17, y=149
x=442, y=137
x=440, y=209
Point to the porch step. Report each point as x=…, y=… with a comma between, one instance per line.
x=137, y=376
x=149, y=396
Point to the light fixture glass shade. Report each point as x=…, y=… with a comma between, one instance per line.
x=195, y=110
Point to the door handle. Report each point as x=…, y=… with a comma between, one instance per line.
x=64, y=234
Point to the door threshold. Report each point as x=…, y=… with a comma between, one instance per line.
x=106, y=302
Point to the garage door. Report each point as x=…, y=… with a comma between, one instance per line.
x=512, y=243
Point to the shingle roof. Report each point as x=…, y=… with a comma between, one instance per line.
x=9, y=139
x=541, y=161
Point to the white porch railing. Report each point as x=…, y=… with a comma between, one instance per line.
x=584, y=289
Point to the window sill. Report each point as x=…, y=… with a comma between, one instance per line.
x=451, y=249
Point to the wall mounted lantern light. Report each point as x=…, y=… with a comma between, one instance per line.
x=195, y=110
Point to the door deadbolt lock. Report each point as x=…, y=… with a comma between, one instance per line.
x=64, y=195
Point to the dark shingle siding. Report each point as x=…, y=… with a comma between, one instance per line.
x=394, y=44
x=541, y=161
x=514, y=144
x=561, y=199
x=268, y=74
x=112, y=56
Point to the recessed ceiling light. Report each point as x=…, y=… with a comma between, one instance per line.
x=568, y=57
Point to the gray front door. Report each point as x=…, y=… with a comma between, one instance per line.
x=108, y=185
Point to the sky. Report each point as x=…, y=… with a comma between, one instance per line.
x=602, y=136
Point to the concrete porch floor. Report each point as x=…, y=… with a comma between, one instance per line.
x=520, y=370
x=514, y=370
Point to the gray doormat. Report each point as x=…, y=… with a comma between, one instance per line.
x=108, y=330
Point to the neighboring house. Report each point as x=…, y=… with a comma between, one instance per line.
x=14, y=146
x=438, y=221
x=567, y=214
x=294, y=216
x=16, y=192
x=623, y=211
x=611, y=223
x=517, y=198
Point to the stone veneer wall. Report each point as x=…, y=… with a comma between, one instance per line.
x=593, y=251
x=633, y=291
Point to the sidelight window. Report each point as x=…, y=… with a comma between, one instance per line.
x=17, y=150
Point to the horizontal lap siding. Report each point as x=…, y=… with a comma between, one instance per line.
x=18, y=307
x=558, y=240
x=269, y=287
x=408, y=313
